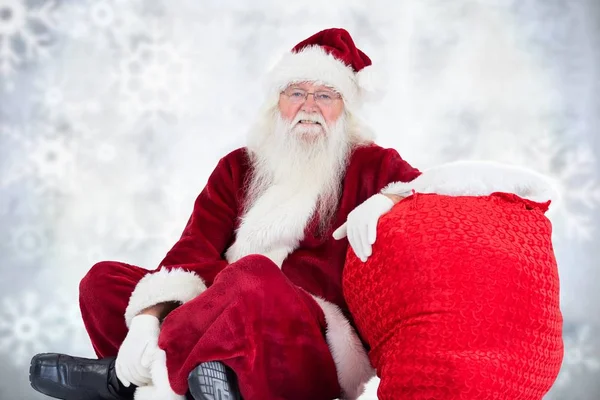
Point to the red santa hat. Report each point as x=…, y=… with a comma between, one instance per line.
x=330, y=58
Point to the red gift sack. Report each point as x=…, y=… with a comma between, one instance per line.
x=460, y=299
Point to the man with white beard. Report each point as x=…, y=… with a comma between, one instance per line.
x=249, y=303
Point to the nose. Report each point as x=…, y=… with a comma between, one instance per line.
x=309, y=105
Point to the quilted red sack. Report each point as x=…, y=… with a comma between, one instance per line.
x=460, y=299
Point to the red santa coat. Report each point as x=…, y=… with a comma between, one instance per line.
x=316, y=265
x=312, y=262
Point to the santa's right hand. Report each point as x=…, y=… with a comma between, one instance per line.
x=137, y=351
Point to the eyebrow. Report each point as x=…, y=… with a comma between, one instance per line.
x=321, y=89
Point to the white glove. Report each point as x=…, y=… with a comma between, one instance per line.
x=361, y=225
x=137, y=351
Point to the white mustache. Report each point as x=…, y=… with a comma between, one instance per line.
x=304, y=116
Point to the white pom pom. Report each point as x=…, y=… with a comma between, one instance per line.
x=370, y=83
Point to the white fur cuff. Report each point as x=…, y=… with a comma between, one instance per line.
x=351, y=361
x=479, y=178
x=163, y=286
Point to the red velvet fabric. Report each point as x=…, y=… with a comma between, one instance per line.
x=317, y=264
x=269, y=331
x=276, y=354
x=103, y=296
x=460, y=299
x=338, y=43
x=315, y=267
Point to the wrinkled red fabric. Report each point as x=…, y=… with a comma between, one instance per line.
x=239, y=321
x=194, y=333
x=460, y=299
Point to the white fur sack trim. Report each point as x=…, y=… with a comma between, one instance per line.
x=479, y=178
x=313, y=64
x=370, y=392
x=160, y=389
x=162, y=286
x=351, y=361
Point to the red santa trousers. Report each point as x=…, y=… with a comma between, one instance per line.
x=460, y=299
x=269, y=331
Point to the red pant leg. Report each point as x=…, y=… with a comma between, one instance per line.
x=270, y=332
x=103, y=297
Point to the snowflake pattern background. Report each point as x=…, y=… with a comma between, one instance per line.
x=114, y=112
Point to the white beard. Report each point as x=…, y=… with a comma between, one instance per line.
x=309, y=160
x=296, y=170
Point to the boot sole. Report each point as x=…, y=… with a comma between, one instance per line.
x=213, y=381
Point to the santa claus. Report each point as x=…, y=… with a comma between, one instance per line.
x=248, y=303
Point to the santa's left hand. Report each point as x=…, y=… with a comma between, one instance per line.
x=361, y=224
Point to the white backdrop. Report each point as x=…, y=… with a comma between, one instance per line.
x=114, y=112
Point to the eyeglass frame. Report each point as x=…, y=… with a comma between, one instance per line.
x=334, y=96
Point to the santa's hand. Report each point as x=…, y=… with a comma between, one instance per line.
x=361, y=225
x=137, y=351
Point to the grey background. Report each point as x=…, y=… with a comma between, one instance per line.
x=114, y=112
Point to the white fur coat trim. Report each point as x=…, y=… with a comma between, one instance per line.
x=274, y=225
x=479, y=178
x=162, y=286
x=351, y=360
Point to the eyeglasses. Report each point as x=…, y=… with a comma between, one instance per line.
x=322, y=97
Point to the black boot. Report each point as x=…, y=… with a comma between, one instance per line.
x=74, y=378
x=213, y=381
